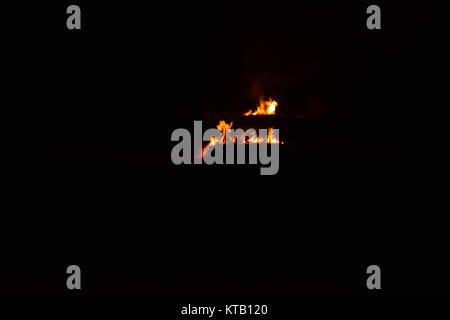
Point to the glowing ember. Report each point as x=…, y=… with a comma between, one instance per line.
x=265, y=108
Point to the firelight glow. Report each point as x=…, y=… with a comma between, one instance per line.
x=265, y=108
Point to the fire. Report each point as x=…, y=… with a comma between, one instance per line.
x=265, y=108
x=254, y=139
x=271, y=139
x=223, y=126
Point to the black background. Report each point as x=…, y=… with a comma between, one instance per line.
x=90, y=181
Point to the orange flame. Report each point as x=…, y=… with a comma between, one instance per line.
x=265, y=108
x=271, y=139
x=223, y=126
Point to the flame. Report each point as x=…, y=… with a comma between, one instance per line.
x=271, y=139
x=265, y=108
x=223, y=126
